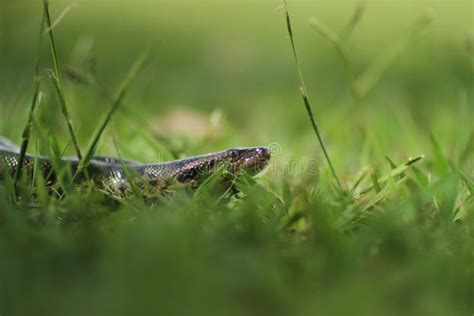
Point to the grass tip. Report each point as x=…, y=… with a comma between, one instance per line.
x=412, y=160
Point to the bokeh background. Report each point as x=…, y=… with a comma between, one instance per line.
x=234, y=58
x=221, y=74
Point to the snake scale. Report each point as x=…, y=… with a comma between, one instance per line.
x=113, y=174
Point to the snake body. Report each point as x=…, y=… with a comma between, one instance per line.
x=113, y=174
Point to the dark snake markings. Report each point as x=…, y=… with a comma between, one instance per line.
x=109, y=173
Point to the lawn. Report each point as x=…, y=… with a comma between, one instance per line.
x=391, y=88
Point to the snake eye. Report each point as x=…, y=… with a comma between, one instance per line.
x=233, y=153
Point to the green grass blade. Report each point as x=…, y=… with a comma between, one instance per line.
x=34, y=102
x=137, y=65
x=59, y=18
x=207, y=186
x=465, y=130
x=442, y=163
x=304, y=95
x=27, y=130
x=129, y=175
x=358, y=181
x=56, y=78
x=468, y=181
x=390, y=162
x=421, y=176
x=342, y=51
x=140, y=123
x=318, y=135
x=325, y=31
x=354, y=20
x=375, y=181
x=371, y=76
x=383, y=194
x=395, y=172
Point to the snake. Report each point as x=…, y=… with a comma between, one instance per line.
x=117, y=176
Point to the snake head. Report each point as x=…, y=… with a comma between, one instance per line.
x=248, y=159
x=237, y=160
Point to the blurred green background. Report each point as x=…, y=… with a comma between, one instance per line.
x=221, y=74
x=235, y=56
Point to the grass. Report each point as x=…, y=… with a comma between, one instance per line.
x=117, y=102
x=399, y=241
x=304, y=95
x=56, y=79
x=35, y=101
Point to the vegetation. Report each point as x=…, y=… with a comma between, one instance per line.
x=380, y=222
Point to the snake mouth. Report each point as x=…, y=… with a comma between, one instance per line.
x=250, y=160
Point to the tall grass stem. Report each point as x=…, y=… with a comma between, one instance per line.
x=137, y=65
x=57, y=80
x=35, y=100
x=304, y=95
